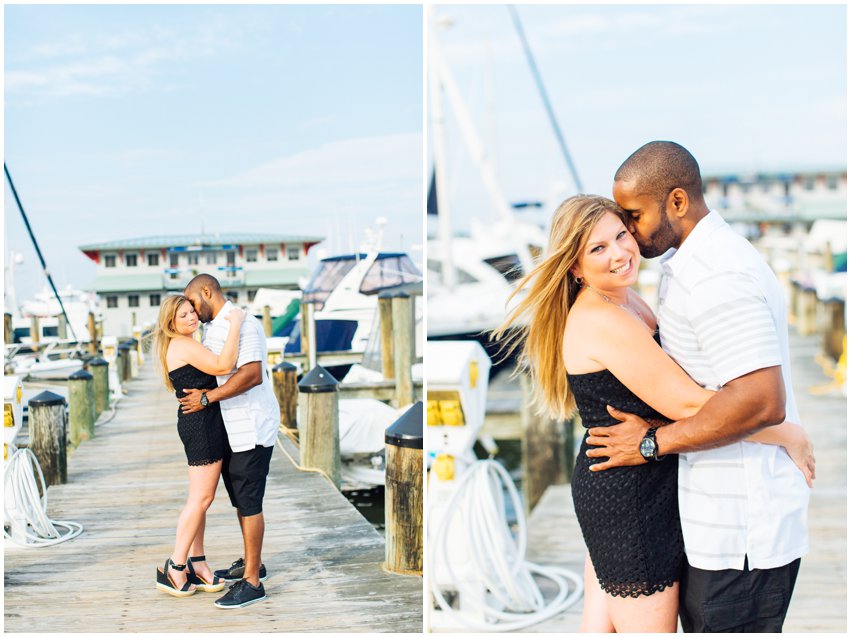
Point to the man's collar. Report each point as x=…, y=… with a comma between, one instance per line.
x=222, y=315
x=675, y=259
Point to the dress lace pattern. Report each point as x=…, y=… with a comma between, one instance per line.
x=202, y=432
x=628, y=515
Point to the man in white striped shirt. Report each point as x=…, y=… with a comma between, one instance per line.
x=722, y=318
x=250, y=413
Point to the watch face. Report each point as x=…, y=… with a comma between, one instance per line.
x=204, y=400
x=647, y=448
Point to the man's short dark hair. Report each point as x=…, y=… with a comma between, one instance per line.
x=659, y=167
x=203, y=280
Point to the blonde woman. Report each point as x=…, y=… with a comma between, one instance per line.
x=185, y=363
x=592, y=342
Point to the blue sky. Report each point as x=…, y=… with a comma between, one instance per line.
x=755, y=87
x=127, y=121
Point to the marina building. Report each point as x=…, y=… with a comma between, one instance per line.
x=772, y=196
x=134, y=275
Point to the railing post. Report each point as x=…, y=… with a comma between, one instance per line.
x=403, y=340
x=48, y=438
x=319, y=432
x=81, y=409
x=99, y=369
x=403, y=494
x=284, y=380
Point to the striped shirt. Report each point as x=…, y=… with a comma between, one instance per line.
x=722, y=314
x=251, y=418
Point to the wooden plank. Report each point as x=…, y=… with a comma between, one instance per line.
x=819, y=601
x=127, y=486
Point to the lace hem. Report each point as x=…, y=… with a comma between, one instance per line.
x=203, y=463
x=635, y=590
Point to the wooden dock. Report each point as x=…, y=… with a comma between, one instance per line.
x=127, y=487
x=819, y=602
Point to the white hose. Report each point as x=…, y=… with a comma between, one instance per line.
x=504, y=573
x=30, y=520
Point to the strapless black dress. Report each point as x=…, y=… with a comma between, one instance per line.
x=202, y=432
x=628, y=515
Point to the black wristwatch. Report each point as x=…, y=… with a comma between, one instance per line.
x=648, y=448
x=205, y=402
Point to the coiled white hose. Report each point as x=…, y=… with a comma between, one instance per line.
x=31, y=521
x=503, y=572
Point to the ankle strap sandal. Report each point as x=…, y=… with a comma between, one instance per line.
x=167, y=584
x=200, y=583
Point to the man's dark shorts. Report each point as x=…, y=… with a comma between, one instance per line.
x=244, y=474
x=733, y=601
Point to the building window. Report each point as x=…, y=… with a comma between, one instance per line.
x=212, y=257
x=251, y=295
x=233, y=296
x=112, y=301
x=109, y=261
x=173, y=260
x=192, y=259
x=833, y=182
x=251, y=255
x=293, y=253
x=809, y=183
x=153, y=259
x=132, y=300
x=130, y=260
x=271, y=254
x=155, y=300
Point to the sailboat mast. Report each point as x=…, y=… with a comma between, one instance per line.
x=438, y=140
x=38, y=251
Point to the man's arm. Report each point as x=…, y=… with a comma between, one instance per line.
x=744, y=405
x=248, y=376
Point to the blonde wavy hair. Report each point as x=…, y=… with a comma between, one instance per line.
x=164, y=332
x=551, y=291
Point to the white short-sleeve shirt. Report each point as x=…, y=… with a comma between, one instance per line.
x=722, y=314
x=251, y=418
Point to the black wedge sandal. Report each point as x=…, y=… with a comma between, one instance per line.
x=166, y=584
x=200, y=583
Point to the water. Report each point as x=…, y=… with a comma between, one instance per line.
x=370, y=504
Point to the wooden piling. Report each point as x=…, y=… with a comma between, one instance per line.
x=319, y=430
x=62, y=327
x=8, y=330
x=385, y=313
x=284, y=380
x=403, y=341
x=312, y=351
x=99, y=370
x=81, y=408
x=267, y=320
x=35, y=331
x=48, y=439
x=544, y=449
x=133, y=357
x=93, y=334
x=403, y=494
x=305, y=330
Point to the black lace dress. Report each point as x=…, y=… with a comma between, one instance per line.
x=202, y=432
x=628, y=515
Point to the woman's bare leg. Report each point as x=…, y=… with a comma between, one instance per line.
x=656, y=613
x=197, y=548
x=202, y=490
x=595, y=609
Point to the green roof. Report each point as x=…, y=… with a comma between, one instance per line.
x=128, y=283
x=212, y=240
x=279, y=276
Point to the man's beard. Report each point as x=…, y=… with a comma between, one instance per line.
x=205, y=311
x=660, y=241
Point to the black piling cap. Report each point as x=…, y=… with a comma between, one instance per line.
x=125, y=345
x=46, y=398
x=408, y=430
x=283, y=366
x=97, y=362
x=393, y=294
x=80, y=374
x=318, y=381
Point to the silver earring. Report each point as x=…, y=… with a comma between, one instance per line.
x=579, y=280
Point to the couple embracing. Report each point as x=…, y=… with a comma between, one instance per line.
x=691, y=483
x=228, y=423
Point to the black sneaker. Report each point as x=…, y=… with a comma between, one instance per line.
x=237, y=571
x=241, y=594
